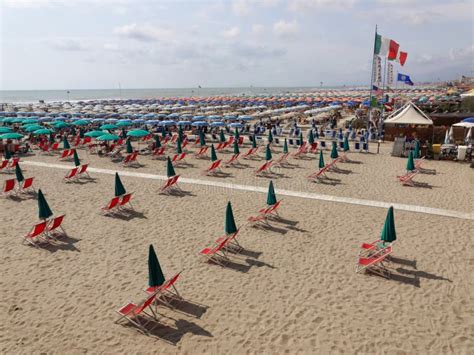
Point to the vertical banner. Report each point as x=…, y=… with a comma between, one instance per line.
x=377, y=70
x=390, y=74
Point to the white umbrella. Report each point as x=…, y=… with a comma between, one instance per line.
x=468, y=136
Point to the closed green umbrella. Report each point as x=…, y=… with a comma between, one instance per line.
x=410, y=162
x=202, y=138
x=301, y=138
x=179, y=150
x=51, y=138
x=163, y=132
x=346, y=144
x=119, y=189
x=72, y=132
x=270, y=136
x=236, y=147
x=129, y=147
x=181, y=134
x=388, y=232
x=236, y=134
x=18, y=173
x=155, y=274
x=285, y=147
x=66, y=144
x=271, y=197
x=213, y=153
x=7, y=154
x=81, y=133
x=169, y=168
x=221, y=136
x=416, y=153
x=43, y=207
x=254, y=141
x=157, y=142
x=334, y=154
x=77, y=162
x=321, y=159
x=268, y=153
x=123, y=134
x=11, y=135
x=311, y=137
x=94, y=134
x=137, y=133
x=230, y=227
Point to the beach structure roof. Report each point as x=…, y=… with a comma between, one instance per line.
x=409, y=114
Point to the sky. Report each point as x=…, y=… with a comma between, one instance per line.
x=97, y=44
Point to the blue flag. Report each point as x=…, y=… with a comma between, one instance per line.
x=405, y=78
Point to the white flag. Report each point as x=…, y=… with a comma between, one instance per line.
x=390, y=74
x=377, y=70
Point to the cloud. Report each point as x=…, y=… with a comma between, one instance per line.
x=284, y=28
x=231, y=32
x=462, y=54
x=305, y=5
x=145, y=33
x=245, y=7
x=68, y=45
x=258, y=29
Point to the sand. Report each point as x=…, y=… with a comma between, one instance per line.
x=292, y=290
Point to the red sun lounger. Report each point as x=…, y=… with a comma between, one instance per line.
x=54, y=225
x=201, y=153
x=171, y=184
x=264, y=168
x=126, y=200
x=232, y=160
x=26, y=185
x=111, y=206
x=9, y=187
x=215, y=253
x=374, y=263
x=251, y=152
x=132, y=311
x=36, y=235
x=72, y=174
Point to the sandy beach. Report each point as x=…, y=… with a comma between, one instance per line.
x=293, y=289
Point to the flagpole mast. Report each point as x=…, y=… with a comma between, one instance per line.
x=369, y=114
x=383, y=93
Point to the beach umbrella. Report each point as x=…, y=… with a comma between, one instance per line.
x=108, y=126
x=230, y=227
x=180, y=132
x=346, y=144
x=94, y=134
x=285, y=147
x=137, y=133
x=123, y=123
x=236, y=148
x=7, y=154
x=108, y=137
x=388, y=232
x=155, y=274
x=271, y=197
x=236, y=134
x=43, y=207
x=416, y=153
x=270, y=136
x=81, y=123
x=179, y=150
x=268, y=153
x=66, y=144
x=32, y=128
x=311, y=137
x=119, y=189
x=157, y=142
x=41, y=131
x=60, y=125
x=410, y=162
x=321, y=160
x=18, y=173
x=163, y=132
x=169, y=168
x=28, y=121
x=301, y=138
x=213, y=153
x=254, y=141
x=129, y=147
x=334, y=154
x=4, y=130
x=77, y=162
x=221, y=136
x=202, y=138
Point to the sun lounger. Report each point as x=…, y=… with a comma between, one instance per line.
x=251, y=152
x=72, y=174
x=374, y=263
x=54, y=225
x=13, y=164
x=37, y=234
x=55, y=146
x=319, y=174
x=166, y=290
x=407, y=179
x=158, y=152
x=374, y=247
x=264, y=168
x=231, y=241
x=313, y=148
x=170, y=185
x=83, y=170
x=4, y=164
x=111, y=206
x=233, y=160
x=215, y=253
x=65, y=154
x=202, y=152
x=125, y=200
x=178, y=157
x=132, y=312
x=303, y=149
x=9, y=187
x=26, y=185
x=282, y=159
x=214, y=168
x=418, y=163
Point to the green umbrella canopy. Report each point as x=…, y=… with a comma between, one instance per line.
x=346, y=144
x=169, y=168
x=60, y=125
x=213, y=153
x=32, y=128
x=230, y=227
x=285, y=147
x=119, y=189
x=410, y=162
x=11, y=135
x=321, y=159
x=270, y=136
x=236, y=147
x=77, y=162
x=108, y=127
x=18, y=173
x=108, y=137
x=388, y=232
x=29, y=121
x=124, y=124
x=221, y=136
x=179, y=150
x=5, y=130
x=334, y=154
x=254, y=141
x=271, y=197
x=81, y=123
x=129, y=146
x=301, y=138
x=41, y=131
x=157, y=142
x=155, y=274
x=8, y=120
x=202, y=138
x=17, y=120
x=43, y=207
x=66, y=144
x=311, y=137
x=137, y=133
x=94, y=134
x=416, y=153
x=268, y=153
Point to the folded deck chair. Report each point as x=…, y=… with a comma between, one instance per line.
x=264, y=168
x=202, y=152
x=125, y=200
x=374, y=247
x=131, y=312
x=111, y=206
x=418, y=163
x=214, y=168
x=170, y=184
x=231, y=241
x=319, y=174
x=251, y=152
x=37, y=234
x=282, y=159
x=26, y=185
x=72, y=174
x=166, y=290
x=178, y=157
x=374, y=263
x=54, y=225
x=9, y=187
x=215, y=253
x=65, y=154
x=233, y=160
x=158, y=152
x=407, y=179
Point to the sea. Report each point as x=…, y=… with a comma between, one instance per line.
x=34, y=96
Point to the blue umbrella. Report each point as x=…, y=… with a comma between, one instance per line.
x=217, y=124
x=200, y=124
x=184, y=123
x=245, y=118
x=236, y=125
x=167, y=123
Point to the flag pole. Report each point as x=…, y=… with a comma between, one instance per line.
x=383, y=95
x=369, y=114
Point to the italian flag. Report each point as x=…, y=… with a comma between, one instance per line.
x=385, y=47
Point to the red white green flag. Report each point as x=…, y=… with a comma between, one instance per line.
x=386, y=47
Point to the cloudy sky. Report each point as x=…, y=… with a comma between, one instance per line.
x=88, y=44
